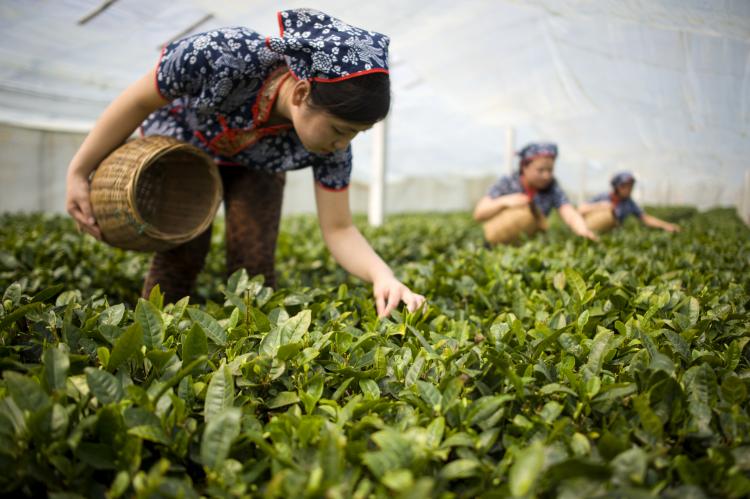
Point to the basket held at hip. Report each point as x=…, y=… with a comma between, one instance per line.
x=154, y=193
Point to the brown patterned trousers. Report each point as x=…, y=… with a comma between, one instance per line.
x=252, y=206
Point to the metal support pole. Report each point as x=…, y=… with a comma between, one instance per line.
x=582, y=186
x=376, y=201
x=510, y=149
x=639, y=193
x=745, y=201
x=101, y=8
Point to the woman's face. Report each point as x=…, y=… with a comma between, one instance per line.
x=540, y=172
x=319, y=131
x=624, y=190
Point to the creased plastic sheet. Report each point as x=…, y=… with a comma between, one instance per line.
x=658, y=87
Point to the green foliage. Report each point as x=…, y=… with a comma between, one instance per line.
x=556, y=368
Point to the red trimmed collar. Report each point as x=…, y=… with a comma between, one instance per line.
x=267, y=96
x=614, y=199
x=530, y=191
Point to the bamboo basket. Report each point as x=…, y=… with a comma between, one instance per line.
x=600, y=220
x=155, y=193
x=507, y=226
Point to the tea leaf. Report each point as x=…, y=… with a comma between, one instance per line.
x=151, y=322
x=221, y=431
x=220, y=394
x=210, y=326
x=126, y=345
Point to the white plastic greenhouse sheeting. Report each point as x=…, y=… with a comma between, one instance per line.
x=659, y=87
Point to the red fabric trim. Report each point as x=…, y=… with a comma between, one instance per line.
x=275, y=96
x=257, y=131
x=342, y=78
x=530, y=191
x=202, y=138
x=255, y=135
x=528, y=160
x=231, y=137
x=281, y=23
x=223, y=122
x=614, y=199
x=542, y=155
x=268, y=42
x=331, y=189
x=353, y=75
x=257, y=118
x=260, y=116
x=324, y=80
x=156, y=72
x=274, y=129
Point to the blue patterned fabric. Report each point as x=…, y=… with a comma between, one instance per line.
x=551, y=197
x=624, y=207
x=221, y=86
x=622, y=178
x=537, y=149
x=322, y=48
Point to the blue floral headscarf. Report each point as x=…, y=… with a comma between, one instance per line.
x=622, y=178
x=322, y=48
x=536, y=150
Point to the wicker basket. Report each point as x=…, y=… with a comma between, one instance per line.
x=507, y=226
x=154, y=193
x=600, y=220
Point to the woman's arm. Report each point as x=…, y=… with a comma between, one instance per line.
x=354, y=253
x=585, y=208
x=114, y=126
x=575, y=221
x=658, y=223
x=488, y=207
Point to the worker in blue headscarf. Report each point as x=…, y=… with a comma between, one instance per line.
x=621, y=203
x=533, y=184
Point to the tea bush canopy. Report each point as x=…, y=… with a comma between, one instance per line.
x=560, y=368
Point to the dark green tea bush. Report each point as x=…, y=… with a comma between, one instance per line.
x=557, y=368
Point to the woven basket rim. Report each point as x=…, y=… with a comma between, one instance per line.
x=147, y=162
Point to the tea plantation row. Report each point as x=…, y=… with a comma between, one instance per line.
x=559, y=368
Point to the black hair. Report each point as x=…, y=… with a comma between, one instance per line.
x=363, y=99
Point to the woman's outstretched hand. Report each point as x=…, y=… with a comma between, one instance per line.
x=389, y=292
x=588, y=234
